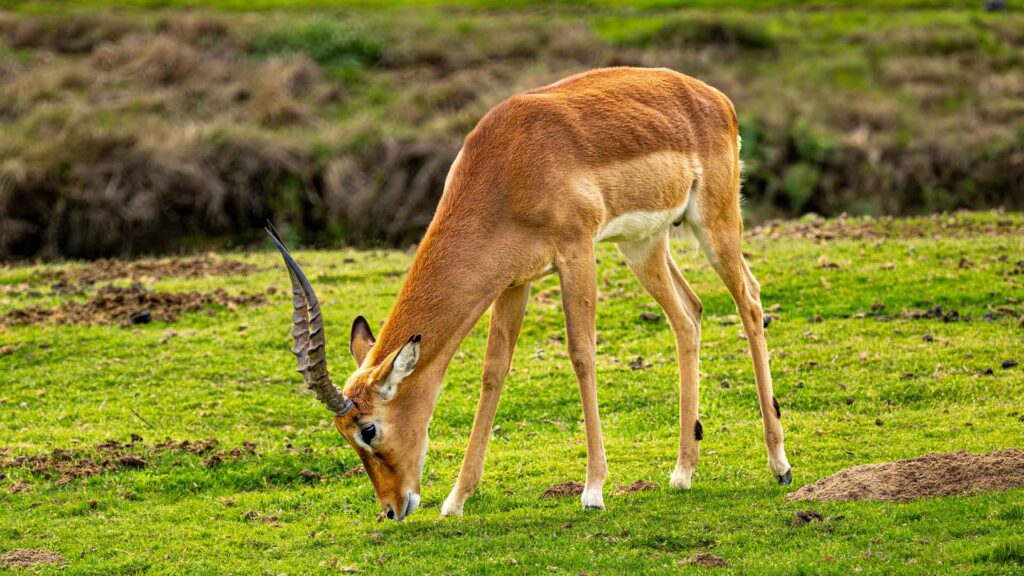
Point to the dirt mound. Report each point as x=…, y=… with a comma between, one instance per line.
x=113, y=455
x=929, y=476
x=192, y=267
x=26, y=557
x=131, y=305
x=638, y=486
x=563, y=489
x=705, y=559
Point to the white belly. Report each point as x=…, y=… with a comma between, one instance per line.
x=636, y=226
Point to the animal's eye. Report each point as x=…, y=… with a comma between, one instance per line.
x=368, y=432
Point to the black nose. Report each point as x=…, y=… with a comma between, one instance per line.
x=391, y=513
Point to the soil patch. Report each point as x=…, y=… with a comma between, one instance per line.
x=939, y=225
x=131, y=305
x=563, y=489
x=705, y=559
x=26, y=557
x=113, y=455
x=638, y=486
x=928, y=476
x=108, y=269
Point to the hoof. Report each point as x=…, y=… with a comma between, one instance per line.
x=451, y=507
x=785, y=479
x=681, y=478
x=592, y=499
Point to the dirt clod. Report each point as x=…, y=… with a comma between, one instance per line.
x=563, y=489
x=130, y=305
x=638, y=486
x=141, y=317
x=1007, y=364
x=637, y=363
x=132, y=461
x=353, y=472
x=808, y=516
x=933, y=475
x=706, y=559
x=26, y=557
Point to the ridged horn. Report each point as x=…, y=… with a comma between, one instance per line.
x=308, y=332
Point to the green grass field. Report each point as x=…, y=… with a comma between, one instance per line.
x=838, y=364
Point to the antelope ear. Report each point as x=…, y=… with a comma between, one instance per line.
x=403, y=365
x=362, y=339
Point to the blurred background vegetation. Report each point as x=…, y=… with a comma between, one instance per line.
x=165, y=126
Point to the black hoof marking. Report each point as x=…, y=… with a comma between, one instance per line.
x=698, y=431
x=775, y=403
x=787, y=478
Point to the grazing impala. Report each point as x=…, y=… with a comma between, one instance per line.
x=622, y=155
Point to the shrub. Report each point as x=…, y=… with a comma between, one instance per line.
x=698, y=31
x=329, y=43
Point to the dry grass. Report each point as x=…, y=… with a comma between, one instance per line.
x=124, y=134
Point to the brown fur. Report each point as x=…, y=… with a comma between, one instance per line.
x=536, y=181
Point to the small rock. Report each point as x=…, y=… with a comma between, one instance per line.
x=928, y=338
x=650, y=317
x=1007, y=364
x=725, y=384
x=637, y=364
x=309, y=475
x=141, y=317
x=878, y=422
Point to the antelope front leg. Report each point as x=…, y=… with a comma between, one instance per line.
x=578, y=274
x=506, y=320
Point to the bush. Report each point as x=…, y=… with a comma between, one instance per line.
x=329, y=43
x=698, y=31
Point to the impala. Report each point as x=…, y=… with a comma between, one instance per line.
x=622, y=155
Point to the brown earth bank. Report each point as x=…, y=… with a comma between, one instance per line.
x=127, y=134
x=148, y=268
x=112, y=455
x=930, y=476
x=28, y=557
x=816, y=227
x=130, y=305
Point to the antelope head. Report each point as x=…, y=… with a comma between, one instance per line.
x=370, y=413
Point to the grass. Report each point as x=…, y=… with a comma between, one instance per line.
x=230, y=376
